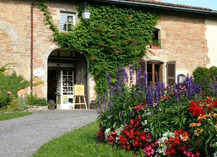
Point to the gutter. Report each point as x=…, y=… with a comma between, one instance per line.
x=161, y=7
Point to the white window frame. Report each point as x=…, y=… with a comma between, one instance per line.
x=66, y=22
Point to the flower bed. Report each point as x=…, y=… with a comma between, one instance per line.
x=174, y=120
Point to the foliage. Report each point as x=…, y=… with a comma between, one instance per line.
x=180, y=118
x=6, y=116
x=80, y=142
x=48, y=19
x=36, y=101
x=10, y=84
x=113, y=36
x=4, y=68
x=207, y=78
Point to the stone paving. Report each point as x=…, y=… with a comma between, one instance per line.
x=21, y=137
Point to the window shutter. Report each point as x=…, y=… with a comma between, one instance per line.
x=171, y=72
x=143, y=65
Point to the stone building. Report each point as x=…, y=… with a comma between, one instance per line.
x=186, y=35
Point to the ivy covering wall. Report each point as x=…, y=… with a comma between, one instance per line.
x=113, y=36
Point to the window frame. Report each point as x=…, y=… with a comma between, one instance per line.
x=67, y=14
x=157, y=38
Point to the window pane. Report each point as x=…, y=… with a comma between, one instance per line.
x=63, y=22
x=70, y=19
x=157, y=73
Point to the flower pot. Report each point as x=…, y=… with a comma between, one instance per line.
x=155, y=47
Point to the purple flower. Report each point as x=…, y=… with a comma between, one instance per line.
x=132, y=68
x=125, y=74
x=121, y=113
x=138, y=75
x=149, y=96
x=9, y=93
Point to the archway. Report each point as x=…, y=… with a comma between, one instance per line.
x=65, y=69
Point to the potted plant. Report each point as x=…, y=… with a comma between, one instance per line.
x=155, y=44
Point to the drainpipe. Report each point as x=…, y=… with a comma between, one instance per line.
x=31, y=60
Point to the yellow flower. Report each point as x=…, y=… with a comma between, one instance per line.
x=201, y=117
x=194, y=125
x=184, y=138
x=214, y=115
x=198, y=131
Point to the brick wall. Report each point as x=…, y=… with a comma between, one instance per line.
x=182, y=38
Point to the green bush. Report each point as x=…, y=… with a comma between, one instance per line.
x=9, y=86
x=207, y=78
x=200, y=74
x=36, y=101
x=12, y=83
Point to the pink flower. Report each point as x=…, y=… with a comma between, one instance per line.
x=9, y=92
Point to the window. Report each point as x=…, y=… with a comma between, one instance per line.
x=67, y=21
x=154, y=70
x=156, y=39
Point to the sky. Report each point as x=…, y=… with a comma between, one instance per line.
x=212, y=4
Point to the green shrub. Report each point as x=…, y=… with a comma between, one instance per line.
x=14, y=105
x=36, y=101
x=9, y=86
x=12, y=83
x=207, y=77
x=200, y=74
x=5, y=99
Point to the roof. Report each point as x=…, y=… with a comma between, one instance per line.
x=169, y=4
x=163, y=6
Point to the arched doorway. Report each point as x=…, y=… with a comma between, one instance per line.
x=65, y=69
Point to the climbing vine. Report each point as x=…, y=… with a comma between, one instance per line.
x=113, y=36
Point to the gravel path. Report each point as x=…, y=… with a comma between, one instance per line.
x=21, y=137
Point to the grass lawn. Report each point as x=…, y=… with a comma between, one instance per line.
x=80, y=142
x=6, y=116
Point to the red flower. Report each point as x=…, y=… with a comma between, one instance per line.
x=99, y=27
x=196, y=110
x=138, y=108
x=112, y=138
x=117, y=51
x=93, y=59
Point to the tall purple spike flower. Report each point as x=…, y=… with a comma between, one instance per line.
x=138, y=75
x=145, y=79
x=149, y=96
x=125, y=74
x=131, y=68
x=99, y=102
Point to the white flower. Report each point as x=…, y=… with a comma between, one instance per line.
x=161, y=141
x=107, y=132
x=146, y=129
